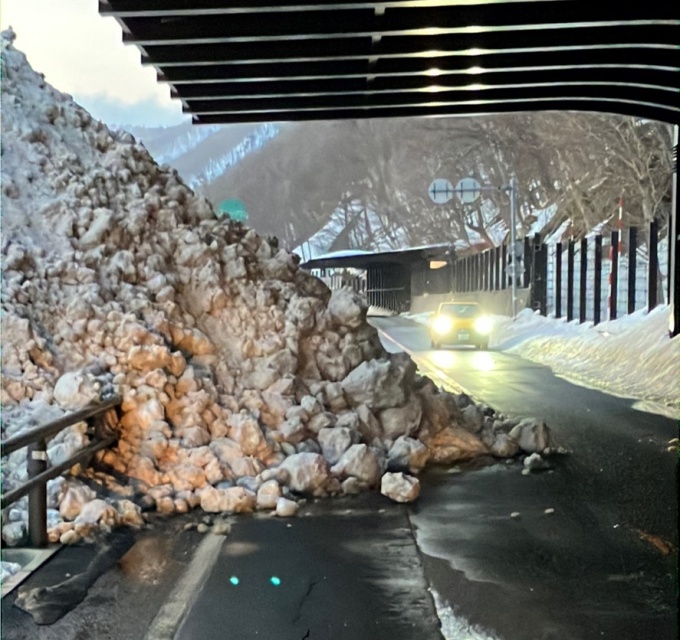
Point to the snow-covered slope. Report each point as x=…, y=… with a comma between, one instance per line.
x=201, y=154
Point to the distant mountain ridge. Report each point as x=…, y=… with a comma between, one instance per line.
x=201, y=154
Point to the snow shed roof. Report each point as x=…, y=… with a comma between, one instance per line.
x=365, y=260
x=281, y=60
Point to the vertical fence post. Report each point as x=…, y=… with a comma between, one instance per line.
x=652, y=246
x=467, y=274
x=473, y=266
x=528, y=259
x=570, y=281
x=632, y=267
x=485, y=273
x=504, y=263
x=37, y=498
x=543, y=253
x=481, y=260
x=497, y=268
x=614, y=275
x=558, y=280
x=597, y=303
x=583, y=281
x=468, y=271
x=489, y=269
x=480, y=274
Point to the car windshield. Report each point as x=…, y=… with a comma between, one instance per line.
x=460, y=310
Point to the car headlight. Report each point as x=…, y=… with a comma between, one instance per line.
x=483, y=325
x=442, y=324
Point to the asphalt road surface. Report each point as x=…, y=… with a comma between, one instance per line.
x=347, y=569
x=594, y=568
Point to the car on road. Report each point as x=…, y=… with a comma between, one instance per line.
x=462, y=323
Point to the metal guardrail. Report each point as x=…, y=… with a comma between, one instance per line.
x=38, y=471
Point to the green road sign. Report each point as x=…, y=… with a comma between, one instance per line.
x=233, y=208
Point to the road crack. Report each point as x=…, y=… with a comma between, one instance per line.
x=304, y=598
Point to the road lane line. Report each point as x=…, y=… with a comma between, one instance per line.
x=439, y=377
x=169, y=618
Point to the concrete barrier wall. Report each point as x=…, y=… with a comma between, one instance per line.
x=497, y=302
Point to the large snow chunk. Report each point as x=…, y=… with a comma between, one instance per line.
x=347, y=307
x=400, y=487
x=402, y=421
x=75, y=390
x=308, y=472
x=407, y=454
x=379, y=384
x=98, y=511
x=232, y=500
x=268, y=495
x=286, y=508
x=74, y=497
x=453, y=444
x=247, y=433
x=334, y=442
x=503, y=446
x=532, y=436
x=359, y=462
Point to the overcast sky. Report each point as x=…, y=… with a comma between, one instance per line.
x=82, y=53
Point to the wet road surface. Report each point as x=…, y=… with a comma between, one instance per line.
x=582, y=572
x=348, y=569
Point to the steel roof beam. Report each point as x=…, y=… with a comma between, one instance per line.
x=415, y=21
x=425, y=47
x=665, y=80
x=630, y=57
x=531, y=92
x=170, y=8
x=614, y=106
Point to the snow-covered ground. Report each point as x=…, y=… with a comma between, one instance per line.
x=631, y=357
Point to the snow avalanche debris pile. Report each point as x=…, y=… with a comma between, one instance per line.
x=245, y=382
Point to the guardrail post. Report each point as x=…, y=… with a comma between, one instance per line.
x=653, y=263
x=583, y=281
x=570, y=281
x=632, y=267
x=597, y=302
x=37, y=498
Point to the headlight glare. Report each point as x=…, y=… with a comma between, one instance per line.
x=442, y=324
x=483, y=325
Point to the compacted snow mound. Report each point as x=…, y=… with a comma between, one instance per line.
x=244, y=381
